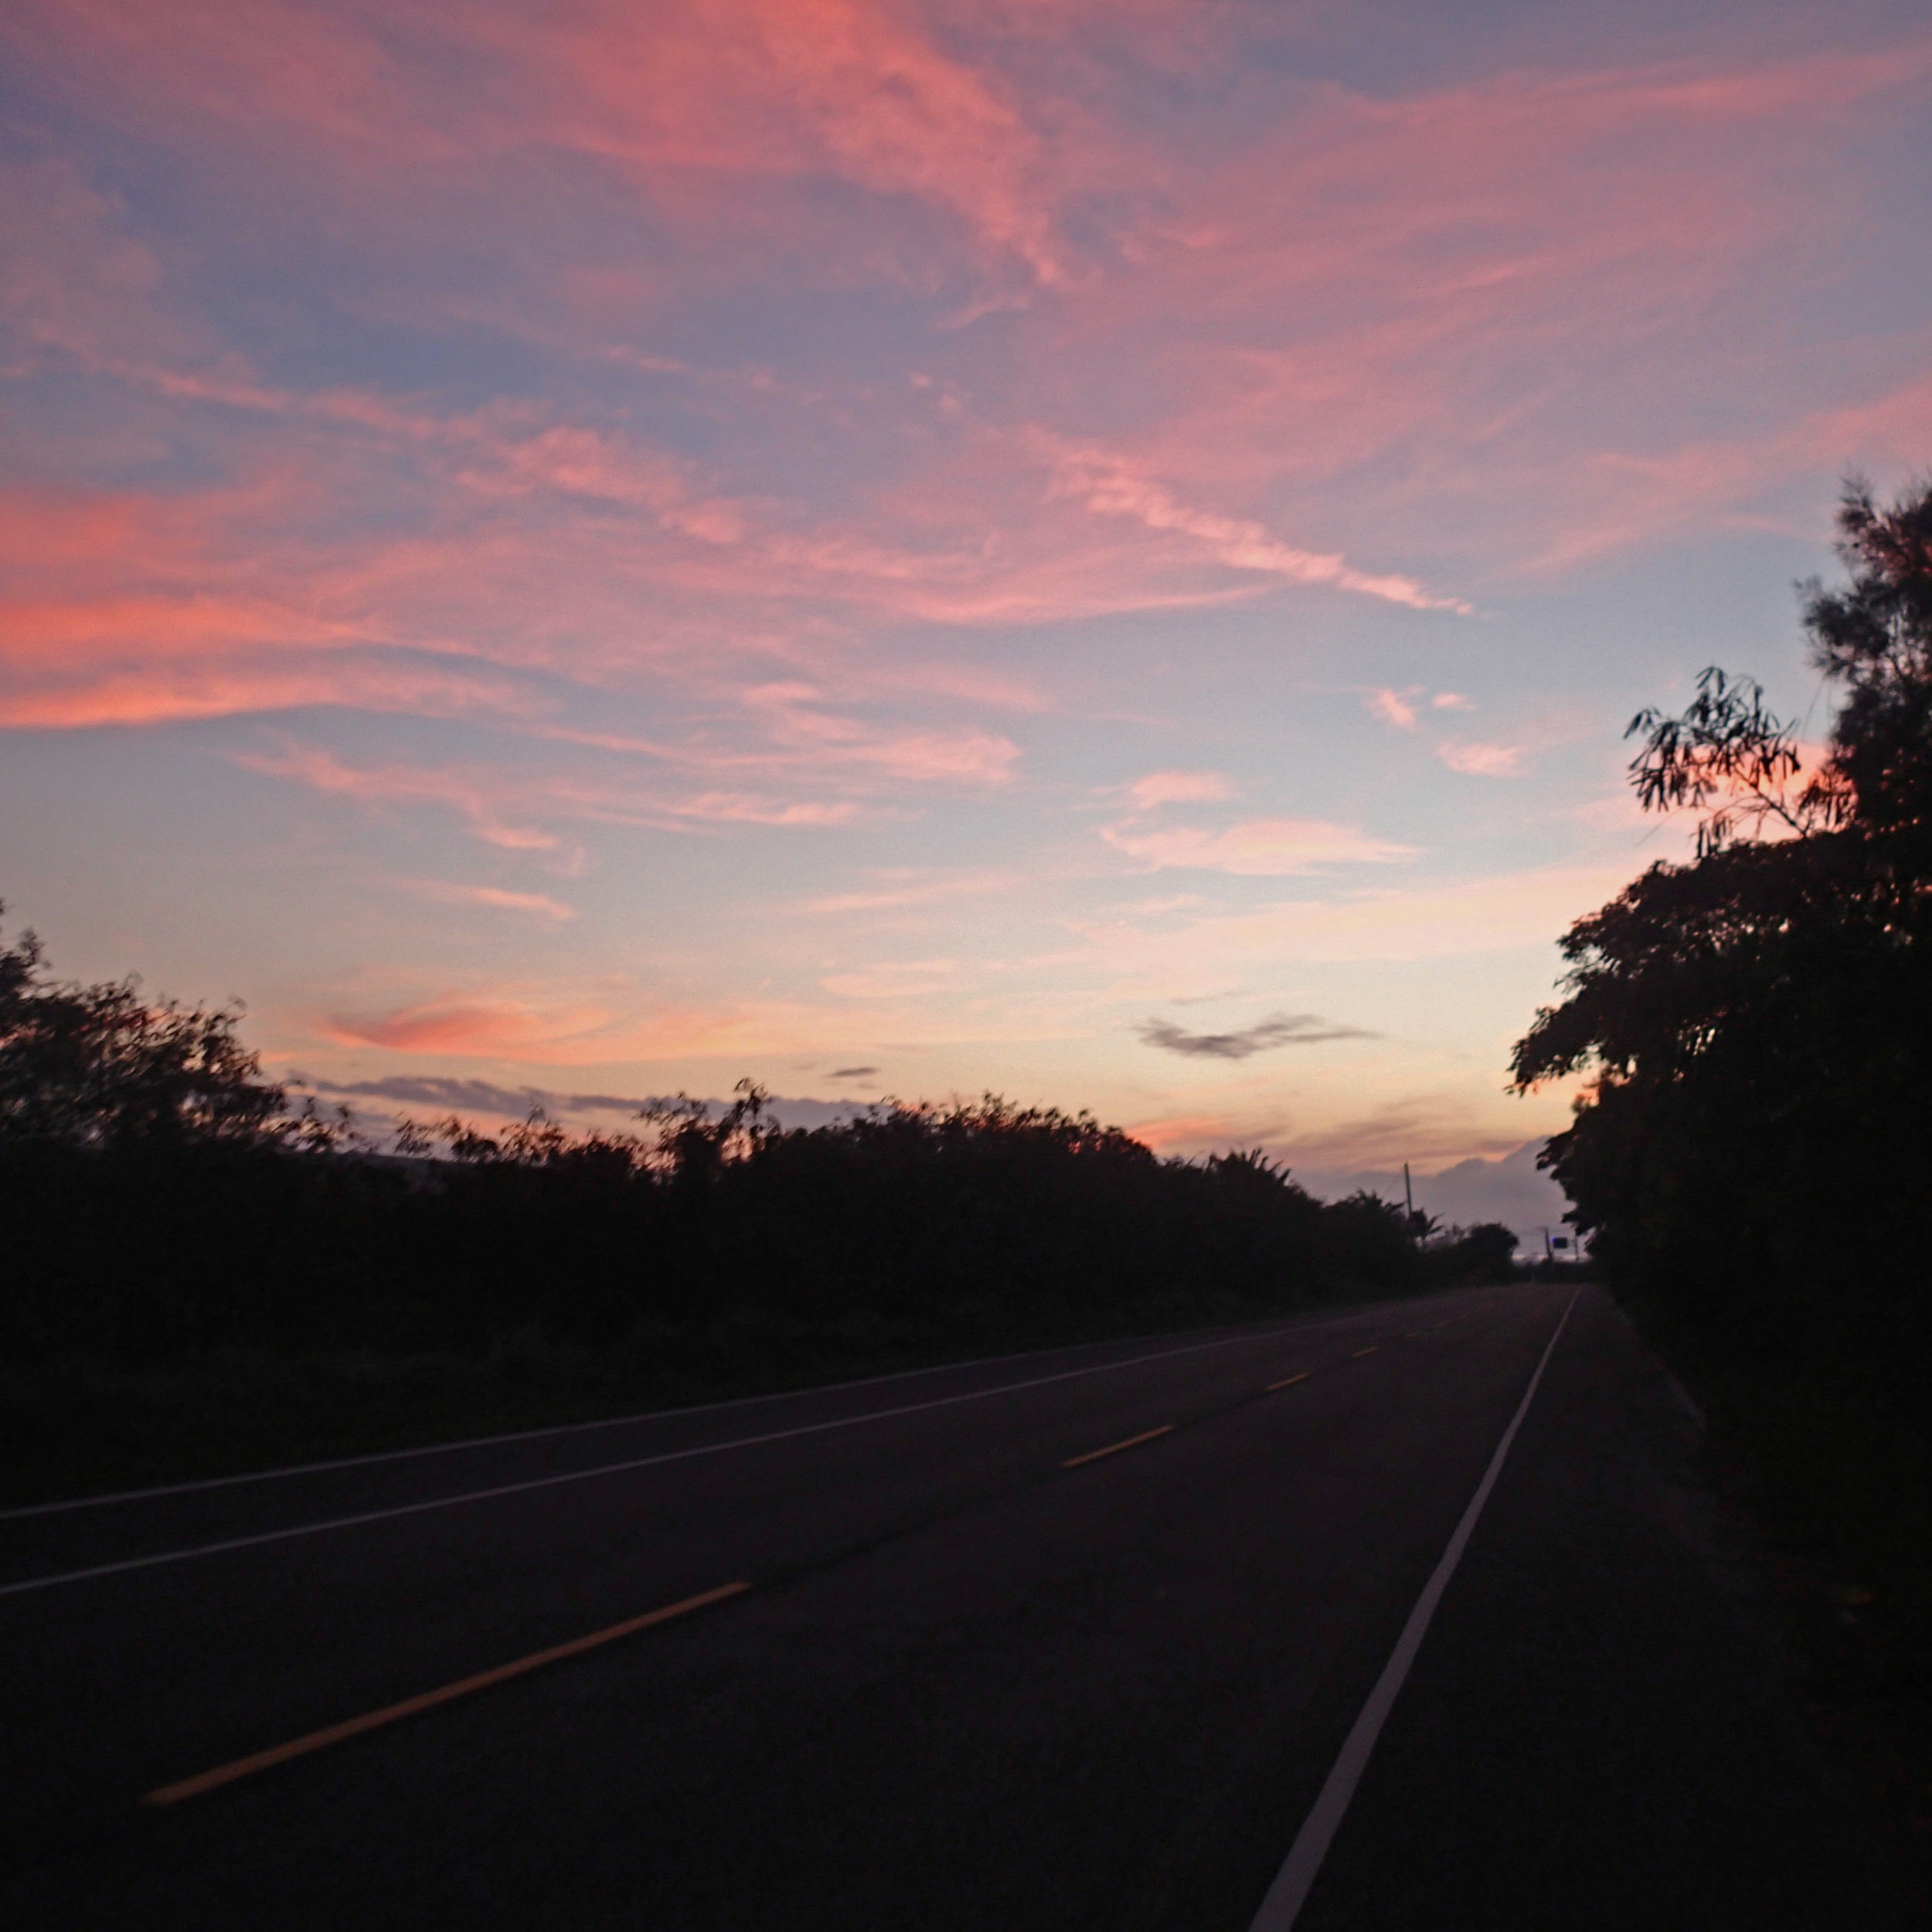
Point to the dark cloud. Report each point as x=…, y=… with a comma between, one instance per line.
x=478, y=1097
x=853, y=1073
x=1278, y=1029
x=467, y=1097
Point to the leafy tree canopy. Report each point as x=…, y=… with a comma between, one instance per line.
x=1844, y=857
x=99, y=1066
x=1756, y=1022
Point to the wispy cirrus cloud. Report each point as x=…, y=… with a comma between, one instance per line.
x=178, y=693
x=757, y=420
x=1112, y=485
x=487, y=898
x=548, y=527
x=1430, y=919
x=516, y=809
x=1179, y=788
x=1259, y=848
x=1483, y=761
x=894, y=979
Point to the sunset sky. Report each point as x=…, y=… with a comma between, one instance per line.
x=1098, y=551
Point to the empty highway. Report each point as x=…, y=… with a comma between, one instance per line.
x=1084, y=1638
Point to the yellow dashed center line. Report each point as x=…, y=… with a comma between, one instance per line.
x=319, y=1740
x=1115, y=1448
x=428, y=1700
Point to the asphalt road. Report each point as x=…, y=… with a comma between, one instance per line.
x=965, y=1685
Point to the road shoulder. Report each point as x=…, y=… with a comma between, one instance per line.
x=1603, y=1728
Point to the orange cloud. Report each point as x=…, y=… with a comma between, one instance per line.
x=895, y=979
x=518, y=1028
x=470, y=1029
x=1189, y=1132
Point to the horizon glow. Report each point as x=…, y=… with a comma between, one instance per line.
x=1100, y=553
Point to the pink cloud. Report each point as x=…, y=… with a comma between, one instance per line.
x=901, y=888
x=1178, y=788
x=1392, y=708
x=1110, y=486
x=1259, y=848
x=1428, y=920
x=521, y=1026
x=724, y=417
x=689, y=97
x=514, y=808
x=486, y=799
x=893, y=979
x=797, y=723
x=899, y=115
x=173, y=694
x=490, y=898
x=741, y=808
x=1483, y=761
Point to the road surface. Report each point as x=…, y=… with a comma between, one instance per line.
x=910, y=1653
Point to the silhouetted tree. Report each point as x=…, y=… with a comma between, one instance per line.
x=1459, y=1257
x=1754, y=1150
x=92, y=1066
x=159, y=1196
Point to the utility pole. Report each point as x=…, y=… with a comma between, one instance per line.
x=1408, y=1194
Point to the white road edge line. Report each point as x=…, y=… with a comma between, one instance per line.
x=1290, y=1891
x=1289, y=1326
x=26, y=1584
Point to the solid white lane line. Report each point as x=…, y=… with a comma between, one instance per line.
x=612, y=1468
x=1290, y=1890
x=559, y=1430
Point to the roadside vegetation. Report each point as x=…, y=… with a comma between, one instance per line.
x=1753, y=1153
x=202, y=1275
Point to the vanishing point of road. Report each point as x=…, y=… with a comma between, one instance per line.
x=1414, y=1615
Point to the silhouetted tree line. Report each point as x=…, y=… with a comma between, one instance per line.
x=159, y=1195
x=1753, y=1152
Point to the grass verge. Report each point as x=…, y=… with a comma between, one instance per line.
x=1835, y=1489
x=79, y=1426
